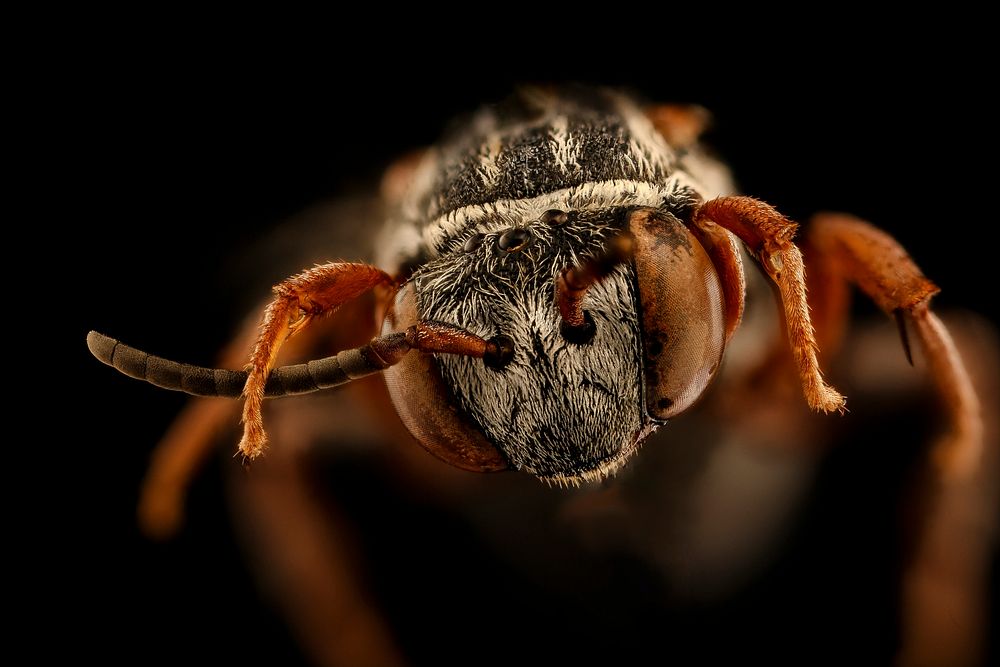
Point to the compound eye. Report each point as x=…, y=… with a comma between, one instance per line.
x=426, y=404
x=683, y=313
x=514, y=239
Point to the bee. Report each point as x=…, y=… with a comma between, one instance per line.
x=557, y=279
x=560, y=277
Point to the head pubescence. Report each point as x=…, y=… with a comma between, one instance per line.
x=493, y=218
x=548, y=408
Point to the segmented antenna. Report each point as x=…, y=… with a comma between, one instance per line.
x=574, y=282
x=314, y=375
x=199, y=381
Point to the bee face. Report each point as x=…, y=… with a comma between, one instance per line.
x=562, y=407
x=546, y=409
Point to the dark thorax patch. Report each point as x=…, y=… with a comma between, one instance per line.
x=542, y=141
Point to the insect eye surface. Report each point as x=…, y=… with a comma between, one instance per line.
x=474, y=242
x=683, y=313
x=426, y=403
x=514, y=239
x=553, y=217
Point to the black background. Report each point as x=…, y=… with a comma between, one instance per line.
x=163, y=163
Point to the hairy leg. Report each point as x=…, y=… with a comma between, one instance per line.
x=307, y=555
x=192, y=437
x=768, y=235
x=184, y=448
x=298, y=300
x=854, y=251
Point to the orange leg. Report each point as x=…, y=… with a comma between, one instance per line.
x=298, y=300
x=306, y=554
x=854, y=251
x=724, y=250
x=768, y=235
x=191, y=438
x=184, y=448
x=680, y=124
x=829, y=299
x=175, y=461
